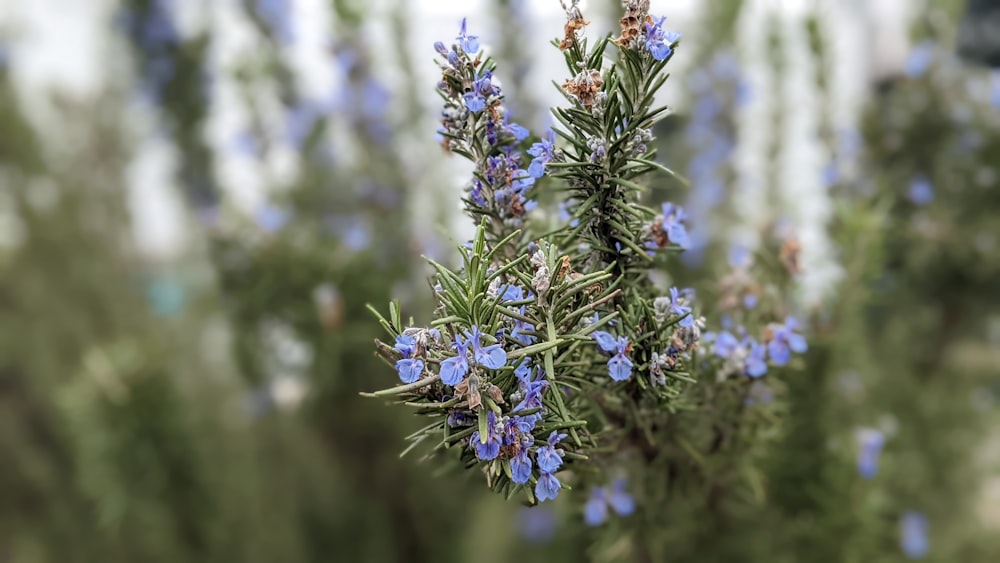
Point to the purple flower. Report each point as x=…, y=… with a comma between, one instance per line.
x=492, y=357
x=784, y=342
x=913, y=535
x=869, y=442
x=468, y=43
x=453, y=370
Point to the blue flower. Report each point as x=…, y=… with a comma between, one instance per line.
x=756, y=364
x=520, y=467
x=921, y=192
x=547, y=487
x=673, y=224
x=475, y=102
x=680, y=310
x=468, y=43
x=548, y=457
x=272, y=219
x=278, y=16
x=492, y=357
x=725, y=344
x=489, y=449
x=913, y=532
x=784, y=342
x=605, y=340
x=453, y=370
x=544, y=152
x=919, y=60
x=619, y=366
x=658, y=41
x=595, y=512
x=536, y=524
x=870, y=442
x=408, y=368
x=531, y=393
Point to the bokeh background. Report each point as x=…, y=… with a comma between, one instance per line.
x=198, y=198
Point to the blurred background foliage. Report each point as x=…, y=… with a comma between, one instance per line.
x=204, y=406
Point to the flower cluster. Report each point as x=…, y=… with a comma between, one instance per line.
x=742, y=353
x=595, y=512
x=475, y=123
x=550, y=347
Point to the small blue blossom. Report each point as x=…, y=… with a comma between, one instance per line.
x=272, y=219
x=658, y=41
x=468, y=43
x=605, y=341
x=920, y=192
x=547, y=487
x=869, y=442
x=492, y=357
x=725, y=344
x=913, y=535
x=756, y=363
x=920, y=59
x=536, y=524
x=677, y=308
x=548, y=457
x=673, y=224
x=475, y=102
x=619, y=366
x=595, y=512
x=520, y=467
x=453, y=370
x=408, y=368
x=739, y=256
x=543, y=153
x=277, y=14
x=489, y=449
x=784, y=342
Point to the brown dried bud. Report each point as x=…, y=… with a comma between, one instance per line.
x=790, y=251
x=585, y=87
